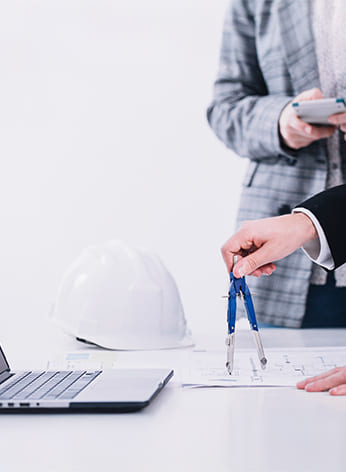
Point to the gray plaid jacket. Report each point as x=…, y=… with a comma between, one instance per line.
x=267, y=58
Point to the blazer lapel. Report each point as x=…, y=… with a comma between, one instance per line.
x=298, y=43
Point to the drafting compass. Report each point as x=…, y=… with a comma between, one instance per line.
x=239, y=288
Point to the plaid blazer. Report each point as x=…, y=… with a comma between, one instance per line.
x=267, y=58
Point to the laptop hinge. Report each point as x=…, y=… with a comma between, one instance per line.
x=4, y=376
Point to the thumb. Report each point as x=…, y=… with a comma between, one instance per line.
x=312, y=94
x=251, y=262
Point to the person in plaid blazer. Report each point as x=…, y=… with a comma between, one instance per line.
x=268, y=59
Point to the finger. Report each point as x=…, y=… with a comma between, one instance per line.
x=337, y=118
x=303, y=383
x=320, y=132
x=228, y=259
x=309, y=131
x=235, y=246
x=228, y=252
x=255, y=260
x=311, y=94
x=327, y=383
x=339, y=390
x=314, y=132
x=267, y=269
x=299, y=126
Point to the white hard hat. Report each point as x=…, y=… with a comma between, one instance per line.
x=121, y=298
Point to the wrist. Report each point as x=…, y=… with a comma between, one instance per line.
x=283, y=143
x=306, y=227
x=282, y=130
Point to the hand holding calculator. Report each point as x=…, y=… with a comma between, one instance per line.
x=311, y=106
x=317, y=112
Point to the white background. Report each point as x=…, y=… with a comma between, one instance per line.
x=103, y=135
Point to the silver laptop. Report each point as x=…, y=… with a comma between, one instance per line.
x=116, y=390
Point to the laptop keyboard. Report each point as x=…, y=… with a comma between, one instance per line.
x=62, y=385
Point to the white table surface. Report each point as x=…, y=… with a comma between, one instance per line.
x=217, y=429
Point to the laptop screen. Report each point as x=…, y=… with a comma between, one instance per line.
x=3, y=362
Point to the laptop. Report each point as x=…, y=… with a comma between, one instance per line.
x=73, y=391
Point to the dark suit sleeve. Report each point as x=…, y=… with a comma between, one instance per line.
x=329, y=207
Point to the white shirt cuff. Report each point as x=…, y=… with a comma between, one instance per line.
x=317, y=250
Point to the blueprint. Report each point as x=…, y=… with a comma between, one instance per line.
x=285, y=367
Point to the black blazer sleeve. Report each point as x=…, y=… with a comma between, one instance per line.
x=329, y=207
